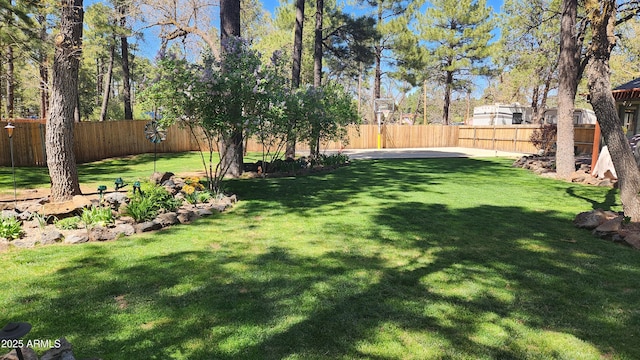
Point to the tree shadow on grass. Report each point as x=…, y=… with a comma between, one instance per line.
x=107, y=170
x=608, y=202
x=532, y=287
x=424, y=281
x=387, y=179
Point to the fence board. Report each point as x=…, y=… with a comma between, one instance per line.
x=100, y=140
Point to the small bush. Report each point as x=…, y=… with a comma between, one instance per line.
x=96, y=216
x=544, y=138
x=141, y=209
x=203, y=196
x=332, y=160
x=10, y=228
x=70, y=223
x=160, y=198
x=146, y=205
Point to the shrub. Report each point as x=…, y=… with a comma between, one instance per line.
x=141, y=209
x=96, y=216
x=10, y=228
x=160, y=198
x=544, y=138
x=332, y=160
x=203, y=196
x=146, y=205
x=70, y=223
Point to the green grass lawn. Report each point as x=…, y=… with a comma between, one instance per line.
x=131, y=168
x=394, y=259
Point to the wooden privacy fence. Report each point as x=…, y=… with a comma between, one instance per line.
x=92, y=141
x=516, y=138
x=100, y=140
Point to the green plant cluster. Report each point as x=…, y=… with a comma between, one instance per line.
x=332, y=160
x=10, y=228
x=96, y=216
x=146, y=205
x=70, y=223
x=239, y=95
x=89, y=218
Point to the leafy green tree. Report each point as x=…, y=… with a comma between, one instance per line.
x=205, y=97
x=329, y=109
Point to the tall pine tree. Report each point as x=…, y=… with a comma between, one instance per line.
x=457, y=35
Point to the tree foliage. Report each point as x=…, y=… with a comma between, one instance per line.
x=453, y=44
x=205, y=97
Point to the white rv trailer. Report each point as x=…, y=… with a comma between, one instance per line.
x=580, y=116
x=501, y=114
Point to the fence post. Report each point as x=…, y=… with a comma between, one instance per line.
x=494, y=138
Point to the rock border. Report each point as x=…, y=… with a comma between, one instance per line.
x=604, y=224
x=37, y=232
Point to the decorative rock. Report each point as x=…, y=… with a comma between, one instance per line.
x=4, y=244
x=218, y=207
x=124, y=230
x=100, y=233
x=76, y=237
x=186, y=216
x=51, y=236
x=31, y=206
x=169, y=183
x=609, y=228
x=592, y=219
x=116, y=199
x=62, y=352
x=167, y=219
x=27, y=354
x=633, y=239
x=178, y=182
x=125, y=220
x=24, y=243
x=204, y=212
x=159, y=178
x=30, y=224
x=148, y=226
x=8, y=213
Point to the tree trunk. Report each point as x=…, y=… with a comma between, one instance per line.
x=126, y=74
x=10, y=83
x=603, y=18
x=568, y=70
x=106, y=93
x=64, y=93
x=448, y=85
x=297, y=45
x=43, y=70
x=535, y=104
x=377, y=81
x=99, y=80
x=317, y=45
x=231, y=150
x=290, y=152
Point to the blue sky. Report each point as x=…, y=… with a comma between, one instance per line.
x=150, y=45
